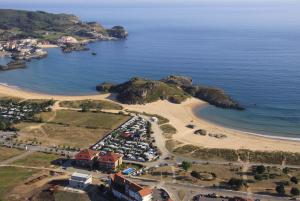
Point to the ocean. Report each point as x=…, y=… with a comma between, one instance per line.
x=251, y=51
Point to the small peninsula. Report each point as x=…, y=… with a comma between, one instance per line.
x=175, y=89
x=24, y=34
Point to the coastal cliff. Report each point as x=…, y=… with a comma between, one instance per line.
x=175, y=89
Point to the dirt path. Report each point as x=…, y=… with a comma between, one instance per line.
x=15, y=158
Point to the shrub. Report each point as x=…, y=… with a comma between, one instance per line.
x=260, y=169
x=258, y=177
x=236, y=183
x=280, y=189
x=186, y=165
x=295, y=191
x=294, y=180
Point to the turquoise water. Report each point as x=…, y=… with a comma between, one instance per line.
x=252, y=52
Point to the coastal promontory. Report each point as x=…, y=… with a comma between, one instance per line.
x=20, y=24
x=175, y=89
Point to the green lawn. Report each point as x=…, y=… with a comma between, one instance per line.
x=91, y=104
x=6, y=153
x=37, y=159
x=89, y=119
x=11, y=177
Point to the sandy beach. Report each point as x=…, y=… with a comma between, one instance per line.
x=180, y=115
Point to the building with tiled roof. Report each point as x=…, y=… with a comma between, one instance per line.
x=86, y=157
x=110, y=161
x=124, y=189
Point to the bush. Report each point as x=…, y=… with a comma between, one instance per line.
x=186, y=165
x=236, y=183
x=195, y=174
x=295, y=191
x=294, y=180
x=258, y=177
x=280, y=189
x=260, y=169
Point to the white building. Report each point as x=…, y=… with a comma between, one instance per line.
x=80, y=180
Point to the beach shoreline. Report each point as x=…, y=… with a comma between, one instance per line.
x=256, y=133
x=180, y=115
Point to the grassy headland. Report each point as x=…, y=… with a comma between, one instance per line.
x=175, y=89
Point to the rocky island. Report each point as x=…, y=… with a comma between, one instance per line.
x=175, y=89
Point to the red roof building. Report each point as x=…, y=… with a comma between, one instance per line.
x=86, y=157
x=86, y=154
x=110, y=160
x=122, y=188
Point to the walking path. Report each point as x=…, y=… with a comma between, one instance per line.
x=15, y=158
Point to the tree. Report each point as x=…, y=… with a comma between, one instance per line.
x=295, y=191
x=294, y=180
x=280, y=189
x=236, y=183
x=186, y=165
x=286, y=170
x=84, y=108
x=260, y=169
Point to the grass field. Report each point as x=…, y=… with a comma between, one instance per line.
x=71, y=128
x=70, y=196
x=91, y=104
x=11, y=177
x=89, y=119
x=6, y=153
x=37, y=159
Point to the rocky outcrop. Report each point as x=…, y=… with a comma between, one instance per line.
x=15, y=64
x=173, y=88
x=117, y=32
x=74, y=47
x=141, y=91
x=213, y=96
x=178, y=80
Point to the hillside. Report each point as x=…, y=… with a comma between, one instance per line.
x=175, y=89
x=140, y=91
x=18, y=24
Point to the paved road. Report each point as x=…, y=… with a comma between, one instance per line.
x=193, y=190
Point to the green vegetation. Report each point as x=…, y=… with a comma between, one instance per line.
x=71, y=129
x=168, y=130
x=37, y=159
x=91, y=104
x=11, y=177
x=175, y=89
x=89, y=119
x=275, y=157
x=16, y=111
x=294, y=180
x=280, y=189
x=6, y=153
x=236, y=183
x=295, y=191
x=17, y=24
x=186, y=165
x=140, y=91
